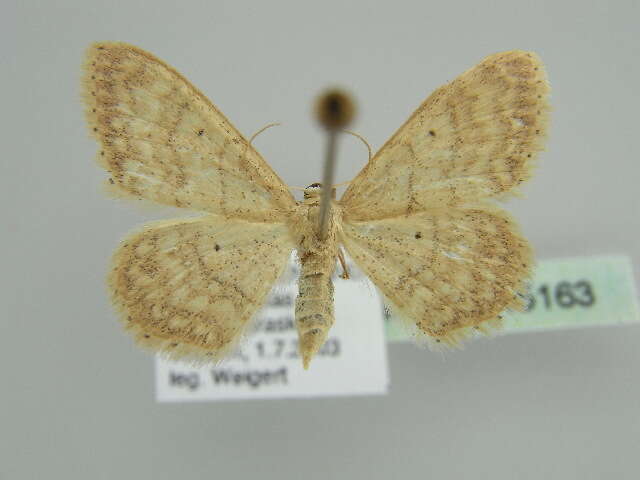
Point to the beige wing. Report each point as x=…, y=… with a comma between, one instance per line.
x=448, y=271
x=188, y=288
x=164, y=141
x=473, y=138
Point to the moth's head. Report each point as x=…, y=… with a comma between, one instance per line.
x=313, y=191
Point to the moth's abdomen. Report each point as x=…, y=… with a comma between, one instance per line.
x=314, y=305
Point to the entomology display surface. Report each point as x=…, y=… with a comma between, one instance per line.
x=419, y=219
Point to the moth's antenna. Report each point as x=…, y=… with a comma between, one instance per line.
x=334, y=110
x=362, y=139
x=341, y=184
x=274, y=124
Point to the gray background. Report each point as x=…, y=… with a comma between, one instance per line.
x=76, y=398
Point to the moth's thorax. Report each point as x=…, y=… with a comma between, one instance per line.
x=304, y=225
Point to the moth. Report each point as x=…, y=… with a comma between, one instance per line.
x=420, y=219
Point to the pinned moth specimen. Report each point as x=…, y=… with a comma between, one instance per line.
x=419, y=219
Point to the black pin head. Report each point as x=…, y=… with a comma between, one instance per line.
x=335, y=109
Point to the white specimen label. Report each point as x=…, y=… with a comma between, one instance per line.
x=353, y=361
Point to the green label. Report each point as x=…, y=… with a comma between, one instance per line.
x=568, y=293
